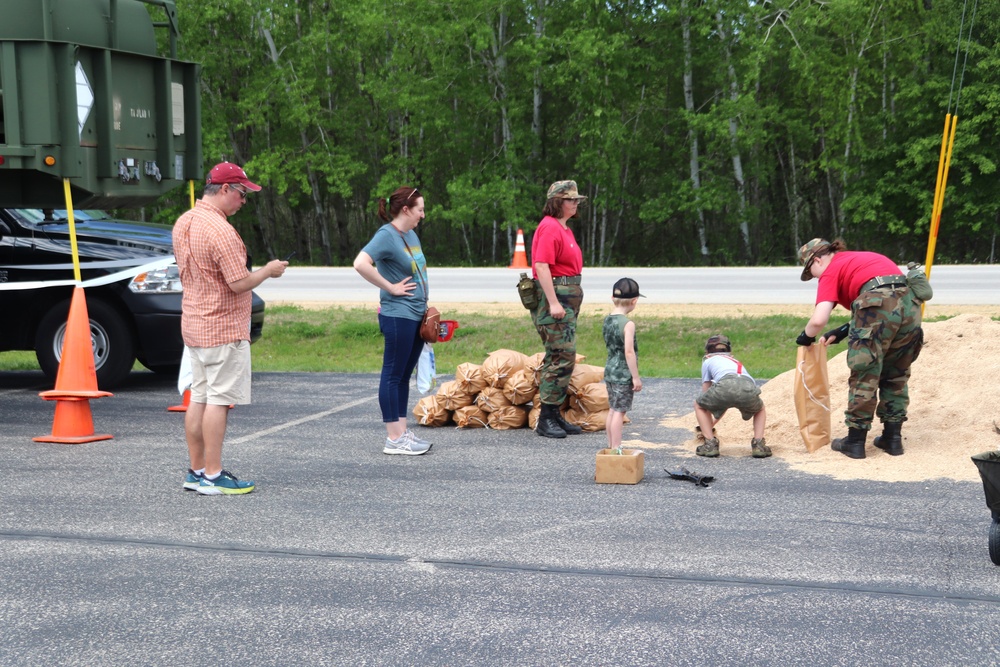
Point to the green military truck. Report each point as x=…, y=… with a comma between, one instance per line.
x=92, y=93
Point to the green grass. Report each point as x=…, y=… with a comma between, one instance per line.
x=347, y=340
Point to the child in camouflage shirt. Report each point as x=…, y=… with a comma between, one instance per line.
x=621, y=372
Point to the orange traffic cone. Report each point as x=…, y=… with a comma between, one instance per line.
x=76, y=381
x=520, y=260
x=185, y=402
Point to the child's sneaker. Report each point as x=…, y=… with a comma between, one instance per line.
x=710, y=448
x=192, y=480
x=225, y=484
x=405, y=445
x=759, y=449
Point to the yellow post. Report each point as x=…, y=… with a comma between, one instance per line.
x=191, y=192
x=72, y=231
x=944, y=163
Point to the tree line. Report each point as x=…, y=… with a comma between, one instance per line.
x=704, y=132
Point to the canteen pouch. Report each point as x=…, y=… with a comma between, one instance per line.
x=917, y=281
x=526, y=290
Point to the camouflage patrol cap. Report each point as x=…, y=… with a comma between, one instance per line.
x=807, y=254
x=564, y=190
x=716, y=340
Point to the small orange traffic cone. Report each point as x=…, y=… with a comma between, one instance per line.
x=185, y=402
x=76, y=381
x=520, y=260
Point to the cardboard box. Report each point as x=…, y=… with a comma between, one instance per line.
x=625, y=468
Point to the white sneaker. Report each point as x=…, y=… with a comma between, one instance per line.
x=417, y=439
x=405, y=445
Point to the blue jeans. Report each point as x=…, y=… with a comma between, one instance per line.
x=402, y=351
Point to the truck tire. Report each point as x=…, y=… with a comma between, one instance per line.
x=114, y=348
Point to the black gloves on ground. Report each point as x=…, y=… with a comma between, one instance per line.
x=838, y=334
x=803, y=339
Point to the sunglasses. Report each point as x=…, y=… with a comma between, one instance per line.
x=243, y=193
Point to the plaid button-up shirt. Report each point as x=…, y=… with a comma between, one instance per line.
x=210, y=255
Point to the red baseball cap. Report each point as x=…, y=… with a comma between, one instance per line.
x=227, y=172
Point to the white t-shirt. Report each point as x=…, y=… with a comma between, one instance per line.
x=720, y=364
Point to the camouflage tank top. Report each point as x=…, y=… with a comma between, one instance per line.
x=616, y=368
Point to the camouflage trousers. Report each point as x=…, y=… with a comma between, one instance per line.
x=885, y=338
x=559, y=339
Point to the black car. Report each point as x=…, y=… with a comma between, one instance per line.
x=134, y=317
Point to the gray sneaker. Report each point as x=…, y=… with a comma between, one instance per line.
x=417, y=439
x=405, y=445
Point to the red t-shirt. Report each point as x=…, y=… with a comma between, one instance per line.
x=848, y=271
x=556, y=246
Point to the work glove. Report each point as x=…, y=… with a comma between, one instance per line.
x=685, y=474
x=803, y=339
x=838, y=334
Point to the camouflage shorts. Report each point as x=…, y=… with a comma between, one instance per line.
x=620, y=396
x=732, y=391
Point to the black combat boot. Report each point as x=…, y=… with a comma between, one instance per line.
x=853, y=445
x=548, y=423
x=571, y=429
x=891, y=442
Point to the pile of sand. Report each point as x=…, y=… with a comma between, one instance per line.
x=954, y=409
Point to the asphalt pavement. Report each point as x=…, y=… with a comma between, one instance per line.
x=496, y=548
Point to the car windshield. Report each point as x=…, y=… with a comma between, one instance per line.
x=40, y=216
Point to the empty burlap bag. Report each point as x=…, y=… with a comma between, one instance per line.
x=811, y=391
x=491, y=398
x=584, y=374
x=451, y=397
x=500, y=365
x=591, y=397
x=429, y=413
x=520, y=387
x=470, y=378
x=508, y=417
x=471, y=416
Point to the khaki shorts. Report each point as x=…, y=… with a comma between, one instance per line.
x=732, y=391
x=221, y=375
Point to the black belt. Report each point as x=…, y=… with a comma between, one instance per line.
x=883, y=281
x=566, y=280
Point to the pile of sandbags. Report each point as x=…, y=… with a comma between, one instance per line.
x=502, y=393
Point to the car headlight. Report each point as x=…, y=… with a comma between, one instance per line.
x=160, y=281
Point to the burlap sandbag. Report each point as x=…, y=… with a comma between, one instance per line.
x=471, y=416
x=508, y=417
x=536, y=409
x=470, y=378
x=584, y=374
x=500, y=365
x=811, y=391
x=451, y=397
x=429, y=413
x=592, y=397
x=588, y=421
x=491, y=398
x=520, y=387
x=536, y=360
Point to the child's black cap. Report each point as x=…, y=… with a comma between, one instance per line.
x=626, y=288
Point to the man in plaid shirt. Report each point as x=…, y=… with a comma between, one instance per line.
x=215, y=322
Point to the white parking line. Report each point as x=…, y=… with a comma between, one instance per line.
x=301, y=420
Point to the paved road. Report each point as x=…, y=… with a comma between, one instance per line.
x=953, y=285
x=495, y=549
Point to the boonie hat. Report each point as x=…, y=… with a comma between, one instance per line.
x=807, y=254
x=227, y=172
x=626, y=288
x=716, y=340
x=564, y=190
